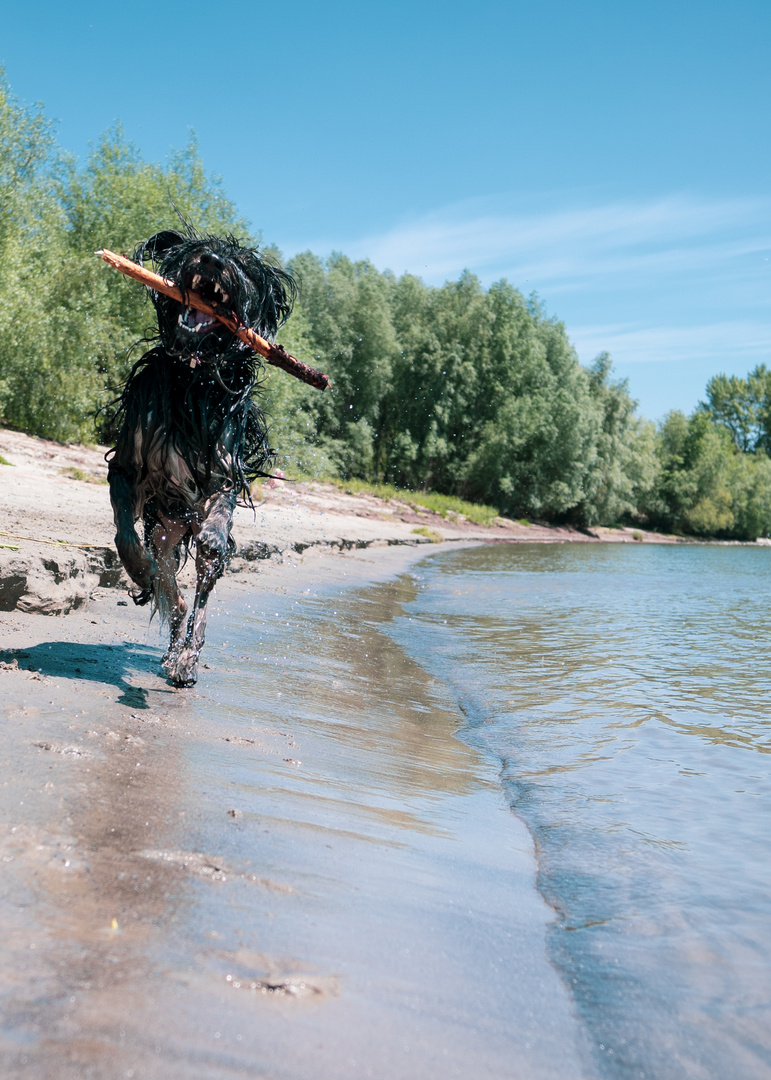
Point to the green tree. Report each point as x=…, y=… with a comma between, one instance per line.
x=626, y=469
x=292, y=409
x=431, y=414
x=49, y=347
x=345, y=308
x=536, y=448
x=708, y=487
x=732, y=403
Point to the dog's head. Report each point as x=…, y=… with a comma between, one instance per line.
x=232, y=279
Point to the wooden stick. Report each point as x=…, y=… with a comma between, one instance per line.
x=274, y=354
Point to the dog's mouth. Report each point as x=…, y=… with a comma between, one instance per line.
x=196, y=322
x=192, y=321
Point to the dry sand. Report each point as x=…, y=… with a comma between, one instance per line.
x=295, y=869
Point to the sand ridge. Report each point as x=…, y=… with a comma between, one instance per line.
x=56, y=534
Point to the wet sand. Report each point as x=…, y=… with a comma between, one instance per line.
x=294, y=870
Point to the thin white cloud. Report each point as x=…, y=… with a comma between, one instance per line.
x=681, y=282
x=745, y=341
x=564, y=248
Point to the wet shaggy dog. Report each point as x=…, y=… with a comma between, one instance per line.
x=191, y=435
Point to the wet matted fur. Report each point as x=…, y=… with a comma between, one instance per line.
x=191, y=434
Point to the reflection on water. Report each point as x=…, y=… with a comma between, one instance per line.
x=626, y=691
x=392, y=717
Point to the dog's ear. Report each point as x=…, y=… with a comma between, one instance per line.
x=157, y=245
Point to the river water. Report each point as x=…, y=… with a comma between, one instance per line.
x=624, y=693
x=498, y=813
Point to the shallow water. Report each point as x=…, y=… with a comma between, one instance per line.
x=308, y=820
x=412, y=881
x=294, y=870
x=625, y=692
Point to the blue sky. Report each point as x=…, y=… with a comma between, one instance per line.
x=612, y=157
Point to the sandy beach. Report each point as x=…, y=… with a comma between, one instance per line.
x=295, y=869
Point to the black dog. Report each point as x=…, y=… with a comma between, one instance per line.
x=191, y=436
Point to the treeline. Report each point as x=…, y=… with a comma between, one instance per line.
x=462, y=390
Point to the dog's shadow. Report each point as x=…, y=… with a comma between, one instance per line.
x=110, y=664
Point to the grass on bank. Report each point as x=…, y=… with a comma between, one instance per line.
x=447, y=506
x=74, y=473
x=431, y=535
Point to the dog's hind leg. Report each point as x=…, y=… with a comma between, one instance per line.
x=138, y=563
x=213, y=549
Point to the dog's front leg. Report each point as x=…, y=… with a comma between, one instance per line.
x=164, y=540
x=139, y=566
x=213, y=549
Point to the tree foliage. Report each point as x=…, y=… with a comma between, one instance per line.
x=707, y=485
x=742, y=407
x=66, y=322
x=462, y=390
x=49, y=346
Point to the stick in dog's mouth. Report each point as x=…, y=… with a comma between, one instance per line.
x=274, y=354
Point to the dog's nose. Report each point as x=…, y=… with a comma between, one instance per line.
x=212, y=261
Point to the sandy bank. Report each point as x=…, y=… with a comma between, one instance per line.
x=56, y=534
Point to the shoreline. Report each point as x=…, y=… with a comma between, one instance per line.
x=161, y=846
x=297, y=868
x=294, y=869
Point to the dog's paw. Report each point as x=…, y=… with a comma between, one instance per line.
x=182, y=667
x=184, y=681
x=170, y=658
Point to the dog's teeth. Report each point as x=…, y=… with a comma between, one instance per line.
x=196, y=281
